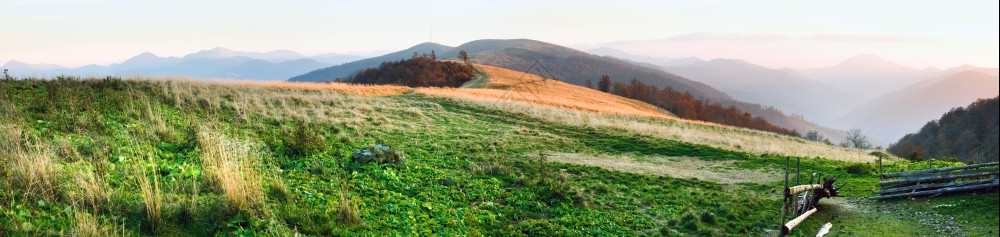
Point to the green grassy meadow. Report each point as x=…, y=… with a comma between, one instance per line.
x=113, y=157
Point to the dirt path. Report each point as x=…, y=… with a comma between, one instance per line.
x=677, y=167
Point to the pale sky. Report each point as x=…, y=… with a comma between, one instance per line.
x=771, y=33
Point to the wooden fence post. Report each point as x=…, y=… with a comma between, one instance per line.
x=784, y=206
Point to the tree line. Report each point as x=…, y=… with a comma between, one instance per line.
x=418, y=71
x=685, y=105
x=968, y=134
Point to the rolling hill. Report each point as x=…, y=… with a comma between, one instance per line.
x=969, y=134
x=893, y=115
x=574, y=67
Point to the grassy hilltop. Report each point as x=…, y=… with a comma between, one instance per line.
x=176, y=157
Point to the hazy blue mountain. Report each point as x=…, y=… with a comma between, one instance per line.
x=213, y=63
x=785, y=91
x=336, y=59
x=894, y=114
x=346, y=69
x=20, y=69
x=258, y=69
x=220, y=52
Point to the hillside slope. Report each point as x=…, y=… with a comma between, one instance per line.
x=504, y=86
x=970, y=134
x=560, y=102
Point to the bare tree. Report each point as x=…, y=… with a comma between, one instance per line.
x=857, y=140
x=463, y=56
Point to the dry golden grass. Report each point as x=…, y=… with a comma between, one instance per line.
x=333, y=103
x=152, y=197
x=506, y=86
x=230, y=166
x=576, y=106
x=678, y=167
x=93, y=189
x=28, y=164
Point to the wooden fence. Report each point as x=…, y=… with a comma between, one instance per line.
x=937, y=181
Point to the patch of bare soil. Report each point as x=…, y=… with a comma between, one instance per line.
x=677, y=167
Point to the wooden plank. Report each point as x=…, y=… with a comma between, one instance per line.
x=785, y=229
x=936, y=178
x=938, y=191
x=938, y=170
x=934, y=186
x=803, y=188
x=824, y=229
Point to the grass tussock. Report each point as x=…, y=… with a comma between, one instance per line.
x=29, y=165
x=230, y=167
x=152, y=197
x=93, y=190
x=347, y=209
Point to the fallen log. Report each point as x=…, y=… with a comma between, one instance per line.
x=937, y=170
x=934, y=178
x=802, y=188
x=934, y=186
x=939, y=191
x=795, y=222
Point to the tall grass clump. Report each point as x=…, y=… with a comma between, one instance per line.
x=152, y=198
x=28, y=165
x=93, y=190
x=230, y=168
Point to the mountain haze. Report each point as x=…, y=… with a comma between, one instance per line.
x=893, y=115
x=866, y=77
x=785, y=91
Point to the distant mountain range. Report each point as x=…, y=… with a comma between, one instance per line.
x=213, y=63
x=883, y=99
x=895, y=114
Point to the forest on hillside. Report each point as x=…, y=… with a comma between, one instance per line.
x=970, y=134
x=418, y=71
x=685, y=105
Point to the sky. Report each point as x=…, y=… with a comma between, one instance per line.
x=775, y=34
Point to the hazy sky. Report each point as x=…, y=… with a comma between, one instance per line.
x=770, y=33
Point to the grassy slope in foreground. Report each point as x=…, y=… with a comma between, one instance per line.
x=101, y=157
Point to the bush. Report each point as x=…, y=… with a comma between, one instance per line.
x=860, y=168
x=305, y=139
x=378, y=154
